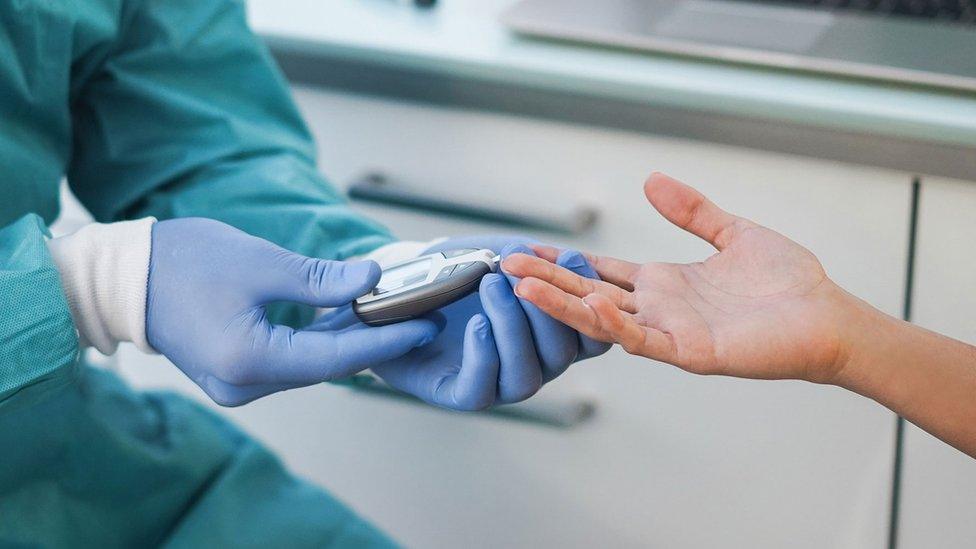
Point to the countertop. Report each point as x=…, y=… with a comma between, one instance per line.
x=459, y=53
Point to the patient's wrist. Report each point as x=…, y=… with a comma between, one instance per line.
x=869, y=351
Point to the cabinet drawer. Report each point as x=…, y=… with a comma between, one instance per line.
x=669, y=459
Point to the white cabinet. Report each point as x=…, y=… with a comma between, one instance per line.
x=938, y=481
x=669, y=459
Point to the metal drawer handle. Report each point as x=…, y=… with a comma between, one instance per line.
x=379, y=189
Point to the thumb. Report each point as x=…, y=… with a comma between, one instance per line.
x=306, y=356
x=319, y=282
x=692, y=211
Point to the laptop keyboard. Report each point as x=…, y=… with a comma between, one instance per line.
x=957, y=11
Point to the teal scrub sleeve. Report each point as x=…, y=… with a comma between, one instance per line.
x=187, y=115
x=93, y=463
x=38, y=341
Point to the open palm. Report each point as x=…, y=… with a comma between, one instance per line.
x=762, y=307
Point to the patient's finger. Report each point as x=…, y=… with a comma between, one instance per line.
x=523, y=265
x=634, y=338
x=576, y=262
x=565, y=308
x=549, y=253
x=615, y=271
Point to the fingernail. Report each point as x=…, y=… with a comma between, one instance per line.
x=508, y=267
x=518, y=290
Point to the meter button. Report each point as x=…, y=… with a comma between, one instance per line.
x=445, y=272
x=455, y=253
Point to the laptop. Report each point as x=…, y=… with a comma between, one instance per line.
x=927, y=42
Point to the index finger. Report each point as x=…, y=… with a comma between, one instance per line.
x=597, y=317
x=564, y=307
x=523, y=266
x=615, y=271
x=307, y=356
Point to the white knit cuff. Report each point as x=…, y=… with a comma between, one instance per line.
x=105, y=271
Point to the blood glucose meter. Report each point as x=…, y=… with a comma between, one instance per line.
x=411, y=288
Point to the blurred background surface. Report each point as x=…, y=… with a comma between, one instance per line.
x=449, y=102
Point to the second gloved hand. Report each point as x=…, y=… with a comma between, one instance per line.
x=495, y=348
x=205, y=311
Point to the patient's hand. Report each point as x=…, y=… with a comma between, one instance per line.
x=762, y=307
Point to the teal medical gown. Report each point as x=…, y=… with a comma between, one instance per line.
x=168, y=108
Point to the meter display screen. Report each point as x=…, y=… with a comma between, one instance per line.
x=404, y=275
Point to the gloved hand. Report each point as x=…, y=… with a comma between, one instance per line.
x=495, y=348
x=208, y=285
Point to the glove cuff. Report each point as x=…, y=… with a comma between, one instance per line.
x=104, y=272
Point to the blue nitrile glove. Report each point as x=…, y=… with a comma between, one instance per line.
x=495, y=348
x=208, y=285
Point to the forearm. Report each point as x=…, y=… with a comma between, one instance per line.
x=166, y=130
x=37, y=338
x=279, y=197
x=927, y=378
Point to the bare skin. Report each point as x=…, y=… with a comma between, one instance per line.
x=762, y=307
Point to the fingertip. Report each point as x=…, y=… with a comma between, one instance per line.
x=656, y=183
x=417, y=332
x=549, y=253
x=476, y=383
x=510, y=264
x=516, y=264
x=437, y=318
x=323, y=282
x=670, y=196
x=528, y=288
x=478, y=327
x=360, y=270
x=338, y=319
x=655, y=178
x=491, y=281
x=516, y=248
x=572, y=260
x=497, y=297
x=373, y=273
x=429, y=333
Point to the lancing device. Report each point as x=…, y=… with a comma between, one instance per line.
x=412, y=288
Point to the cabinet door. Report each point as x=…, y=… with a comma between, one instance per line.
x=938, y=498
x=669, y=459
